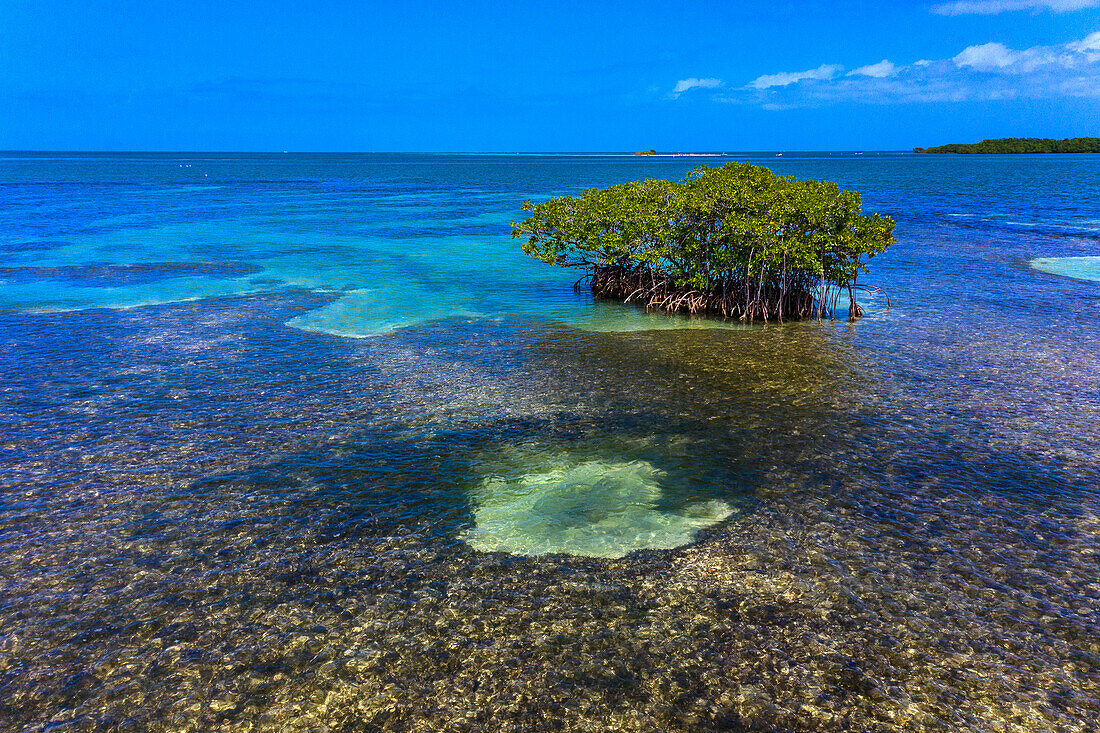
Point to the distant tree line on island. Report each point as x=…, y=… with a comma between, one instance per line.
x=646, y=152
x=1019, y=145
x=736, y=241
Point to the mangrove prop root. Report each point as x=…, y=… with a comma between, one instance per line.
x=747, y=298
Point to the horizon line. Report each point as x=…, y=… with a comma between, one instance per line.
x=666, y=153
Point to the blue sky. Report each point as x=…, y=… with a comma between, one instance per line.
x=543, y=76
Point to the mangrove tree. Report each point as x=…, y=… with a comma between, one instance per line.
x=738, y=241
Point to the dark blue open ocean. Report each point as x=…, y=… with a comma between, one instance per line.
x=303, y=441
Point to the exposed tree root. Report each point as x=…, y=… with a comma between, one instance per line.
x=749, y=299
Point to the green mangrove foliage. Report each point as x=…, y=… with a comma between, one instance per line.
x=736, y=240
x=1020, y=145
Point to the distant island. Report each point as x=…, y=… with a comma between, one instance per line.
x=654, y=153
x=1016, y=145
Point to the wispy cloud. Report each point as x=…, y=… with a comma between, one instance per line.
x=1089, y=46
x=987, y=57
x=786, y=78
x=881, y=70
x=992, y=7
x=989, y=71
x=998, y=57
x=694, y=83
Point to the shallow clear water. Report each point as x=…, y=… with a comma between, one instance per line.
x=1082, y=268
x=287, y=439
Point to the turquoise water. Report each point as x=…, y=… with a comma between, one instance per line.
x=576, y=501
x=1081, y=268
x=405, y=258
x=303, y=440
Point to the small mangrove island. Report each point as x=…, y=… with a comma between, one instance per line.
x=736, y=241
x=1020, y=145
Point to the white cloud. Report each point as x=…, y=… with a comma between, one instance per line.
x=880, y=70
x=986, y=57
x=998, y=57
x=992, y=7
x=786, y=78
x=1089, y=46
x=1081, y=86
x=693, y=83
x=990, y=71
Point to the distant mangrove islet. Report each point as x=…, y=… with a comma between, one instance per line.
x=736, y=241
x=1019, y=146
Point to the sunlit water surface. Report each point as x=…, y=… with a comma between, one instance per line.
x=302, y=441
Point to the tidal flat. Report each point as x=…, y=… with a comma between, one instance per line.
x=238, y=495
